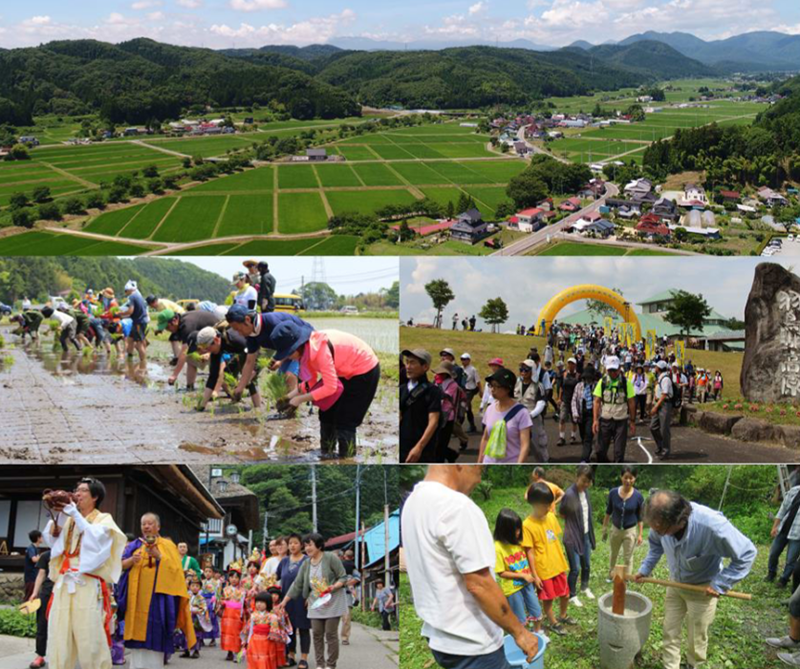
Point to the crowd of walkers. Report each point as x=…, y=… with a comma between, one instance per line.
x=596, y=387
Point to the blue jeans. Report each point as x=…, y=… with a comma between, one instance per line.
x=578, y=563
x=525, y=603
x=793, y=552
x=495, y=660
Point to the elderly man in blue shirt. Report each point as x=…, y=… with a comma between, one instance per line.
x=696, y=540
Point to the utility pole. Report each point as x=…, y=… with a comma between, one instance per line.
x=358, y=512
x=314, y=496
x=386, y=561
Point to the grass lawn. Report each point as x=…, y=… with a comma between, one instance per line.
x=246, y=215
x=300, y=176
x=259, y=179
x=192, y=220
x=301, y=212
x=736, y=636
x=484, y=346
x=367, y=201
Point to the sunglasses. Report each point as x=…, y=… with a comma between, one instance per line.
x=523, y=369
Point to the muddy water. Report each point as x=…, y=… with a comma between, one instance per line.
x=69, y=408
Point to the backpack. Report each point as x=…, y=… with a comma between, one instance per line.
x=459, y=403
x=496, y=446
x=677, y=393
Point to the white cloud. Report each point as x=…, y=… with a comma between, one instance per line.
x=257, y=5
x=190, y=4
x=145, y=4
x=156, y=16
x=39, y=20
x=314, y=30
x=477, y=8
x=116, y=19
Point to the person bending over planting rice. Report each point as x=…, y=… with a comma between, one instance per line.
x=340, y=375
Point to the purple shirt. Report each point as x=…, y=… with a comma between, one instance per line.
x=513, y=427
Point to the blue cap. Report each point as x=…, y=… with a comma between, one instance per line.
x=288, y=336
x=237, y=313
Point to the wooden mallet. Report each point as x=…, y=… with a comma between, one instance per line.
x=681, y=586
x=620, y=590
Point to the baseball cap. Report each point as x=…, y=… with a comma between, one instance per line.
x=164, y=317
x=466, y=356
x=239, y=276
x=528, y=363
x=573, y=361
x=612, y=362
x=503, y=377
x=496, y=361
x=131, y=285
x=661, y=364
x=419, y=353
x=206, y=336
x=237, y=313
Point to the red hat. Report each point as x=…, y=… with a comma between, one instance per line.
x=496, y=361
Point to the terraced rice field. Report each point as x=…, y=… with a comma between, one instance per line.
x=38, y=243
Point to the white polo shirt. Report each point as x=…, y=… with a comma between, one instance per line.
x=445, y=535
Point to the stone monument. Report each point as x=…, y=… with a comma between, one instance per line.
x=771, y=366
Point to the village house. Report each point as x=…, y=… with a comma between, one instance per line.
x=573, y=204
x=694, y=196
x=546, y=204
x=665, y=209
x=593, y=223
x=730, y=196
x=593, y=190
x=527, y=220
x=316, y=155
x=470, y=227
x=651, y=228
x=771, y=198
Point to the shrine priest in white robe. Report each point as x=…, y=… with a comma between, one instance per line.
x=85, y=561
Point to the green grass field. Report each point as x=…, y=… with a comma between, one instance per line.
x=297, y=176
x=47, y=244
x=246, y=215
x=301, y=212
x=193, y=219
x=258, y=180
x=366, y=202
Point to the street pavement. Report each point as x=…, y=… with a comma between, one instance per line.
x=689, y=445
x=369, y=649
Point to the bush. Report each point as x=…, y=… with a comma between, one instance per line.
x=155, y=186
x=117, y=194
x=171, y=182
x=50, y=212
x=18, y=200
x=73, y=206
x=150, y=171
x=23, y=218
x=95, y=200
x=137, y=190
x=13, y=623
x=19, y=152
x=41, y=194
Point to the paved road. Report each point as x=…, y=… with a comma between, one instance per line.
x=689, y=445
x=368, y=649
x=522, y=246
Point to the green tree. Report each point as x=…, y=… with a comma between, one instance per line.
x=601, y=309
x=526, y=190
x=687, y=311
x=494, y=312
x=23, y=218
x=441, y=295
x=318, y=296
x=19, y=152
x=18, y=200
x=393, y=296
x=41, y=194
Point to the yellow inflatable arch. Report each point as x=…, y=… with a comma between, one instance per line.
x=587, y=292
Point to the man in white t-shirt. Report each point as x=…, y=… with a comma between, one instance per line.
x=450, y=557
x=473, y=387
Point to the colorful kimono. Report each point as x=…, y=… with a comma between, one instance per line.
x=281, y=631
x=84, y=565
x=209, y=592
x=232, y=618
x=154, y=603
x=265, y=650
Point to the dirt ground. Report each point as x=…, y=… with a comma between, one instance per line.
x=70, y=408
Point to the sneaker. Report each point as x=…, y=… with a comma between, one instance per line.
x=558, y=629
x=561, y=442
x=196, y=655
x=589, y=594
x=573, y=440
x=576, y=602
x=792, y=659
x=566, y=620
x=783, y=642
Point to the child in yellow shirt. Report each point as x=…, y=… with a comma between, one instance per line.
x=512, y=570
x=541, y=534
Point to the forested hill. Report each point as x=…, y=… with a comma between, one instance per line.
x=141, y=80
x=138, y=81
x=38, y=277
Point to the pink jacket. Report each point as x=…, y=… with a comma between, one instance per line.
x=351, y=357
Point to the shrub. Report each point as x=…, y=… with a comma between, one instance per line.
x=41, y=194
x=18, y=200
x=73, y=206
x=95, y=200
x=150, y=171
x=155, y=186
x=13, y=623
x=117, y=193
x=50, y=211
x=23, y=218
x=137, y=190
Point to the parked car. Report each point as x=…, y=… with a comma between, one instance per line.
x=5, y=310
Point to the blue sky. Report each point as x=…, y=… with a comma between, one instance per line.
x=252, y=23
